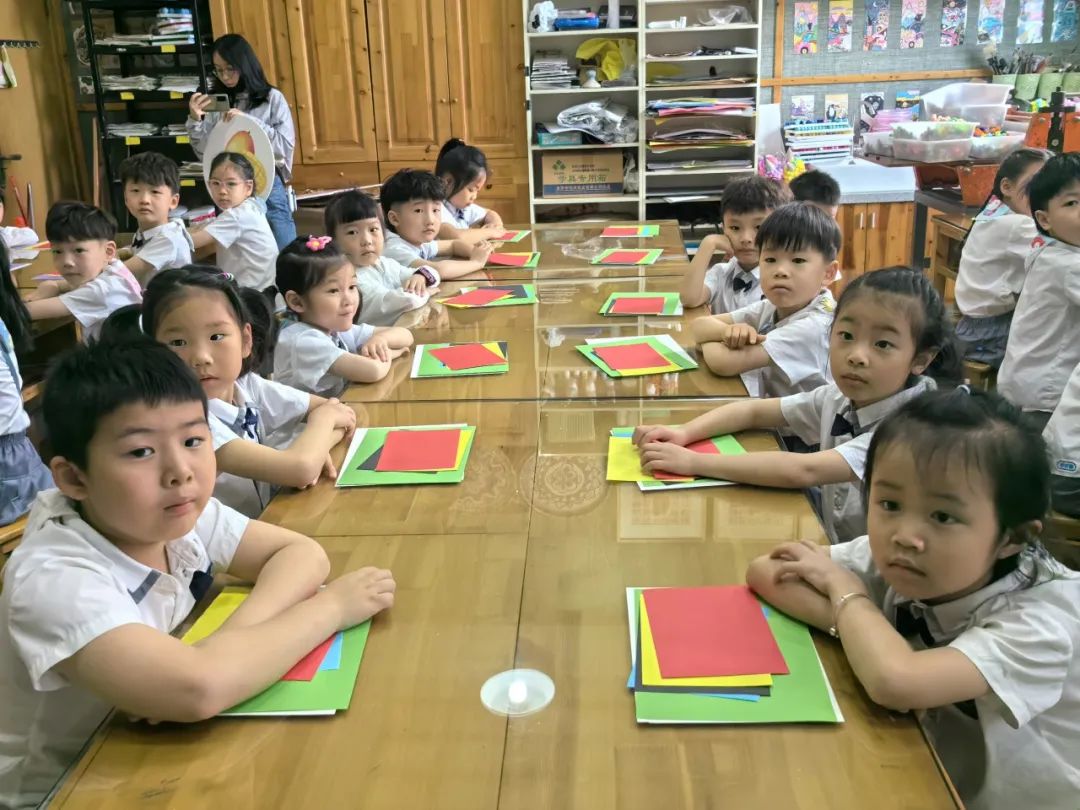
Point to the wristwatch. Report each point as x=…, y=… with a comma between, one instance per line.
x=426, y=274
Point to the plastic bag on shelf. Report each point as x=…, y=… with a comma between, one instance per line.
x=603, y=119
x=543, y=16
x=724, y=15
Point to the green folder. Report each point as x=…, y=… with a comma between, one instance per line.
x=354, y=474
x=520, y=294
x=589, y=350
x=427, y=365
x=671, y=301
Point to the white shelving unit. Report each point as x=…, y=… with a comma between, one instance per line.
x=544, y=105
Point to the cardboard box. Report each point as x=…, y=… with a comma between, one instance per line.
x=573, y=174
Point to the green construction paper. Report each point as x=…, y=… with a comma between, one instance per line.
x=671, y=301
x=589, y=351
x=431, y=367
x=528, y=298
x=650, y=256
x=353, y=475
x=330, y=689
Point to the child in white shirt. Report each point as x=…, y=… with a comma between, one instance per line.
x=950, y=606
x=15, y=237
x=992, y=265
x=1044, y=341
x=733, y=283
x=245, y=244
x=388, y=289
x=113, y=562
x=321, y=349
x=95, y=282
x=151, y=190
x=1062, y=437
x=464, y=170
x=781, y=344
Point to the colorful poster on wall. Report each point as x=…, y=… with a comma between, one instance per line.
x=909, y=100
x=877, y=25
x=991, y=21
x=802, y=107
x=840, y=13
x=1029, y=29
x=1064, y=29
x=836, y=107
x=912, y=19
x=953, y=23
x=805, y=34
x=871, y=104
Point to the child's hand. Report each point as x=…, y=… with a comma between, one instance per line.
x=811, y=563
x=377, y=349
x=329, y=470
x=670, y=458
x=742, y=334
x=197, y=105
x=46, y=289
x=480, y=252
x=415, y=284
x=341, y=417
x=643, y=434
x=361, y=594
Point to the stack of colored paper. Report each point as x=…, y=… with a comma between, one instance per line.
x=624, y=462
x=510, y=236
x=422, y=454
x=514, y=259
x=320, y=683
x=631, y=231
x=642, y=303
x=460, y=359
x=717, y=655
x=504, y=295
x=634, y=356
x=624, y=256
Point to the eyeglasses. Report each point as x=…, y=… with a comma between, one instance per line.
x=225, y=71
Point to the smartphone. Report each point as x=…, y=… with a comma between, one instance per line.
x=219, y=104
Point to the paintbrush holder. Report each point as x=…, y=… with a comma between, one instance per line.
x=1027, y=86
x=1048, y=83
x=1008, y=79
x=1070, y=82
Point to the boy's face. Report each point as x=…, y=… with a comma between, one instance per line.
x=332, y=303
x=1061, y=219
x=362, y=240
x=741, y=231
x=82, y=261
x=791, y=278
x=150, y=471
x=417, y=221
x=149, y=204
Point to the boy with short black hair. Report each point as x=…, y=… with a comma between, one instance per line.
x=817, y=188
x=84, y=252
x=151, y=190
x=115, y=559
x=412, y=202
x=733, y=283
x=781, y=344
x=388, y=288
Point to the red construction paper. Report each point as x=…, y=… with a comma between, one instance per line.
x=711, y=631
x=617, y=230
x=478, y=297
x=638, y=306
x=306, y=667
x=623, y=257
x=419, y=450
x=467, y=355
x=508, y=260
x=631, y=356
x=704, y=446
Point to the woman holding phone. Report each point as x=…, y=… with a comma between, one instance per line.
x=237, y=68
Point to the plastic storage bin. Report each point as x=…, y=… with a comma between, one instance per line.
x=971, y=101
x=932, y=151
x=934, y=131
x=994, y=147
x=878, y=143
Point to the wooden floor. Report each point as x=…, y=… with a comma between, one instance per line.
x=525, y=564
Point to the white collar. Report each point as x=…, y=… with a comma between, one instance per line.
x=869, y=415
x=228, y=412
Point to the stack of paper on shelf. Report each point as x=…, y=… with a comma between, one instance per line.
x=642, y=303
x=460, y=359
x=635, y=356
x=624, y=462
x=419, y=454
x=503, y=295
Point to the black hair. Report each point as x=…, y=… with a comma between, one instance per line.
x=461, y=163
x=931, y=328
x=242, y=164
x=87, y=383
x=755, y=193
x=299, y=267
x=151, y=168
x=13, y=311
x=349, y=206
x=234, y=50
x=1057, y=174
x=1015, y=164
x=816, y=187
x=986, y=433
x=264, y=329
x=407, y=185
x=169, y=287
x=800, y=226
x=122, y=324
x=70, y=221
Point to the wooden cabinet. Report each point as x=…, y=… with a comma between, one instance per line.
x=876, y=235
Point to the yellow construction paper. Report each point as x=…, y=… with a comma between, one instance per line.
x=495, y=347
x=650, y=664
x=624, y=463
x=215, y=614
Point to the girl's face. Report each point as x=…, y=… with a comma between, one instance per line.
x=872, y=350
x=933, y=531
x=467, y=196
x=331, y=304
x=202, y=328
x=362, y=241
x=226, y=73
x=228, y=186
x=1014, y=191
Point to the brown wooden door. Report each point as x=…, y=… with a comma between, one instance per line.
x=853, y=221
x=334, y=109
x=889, y=229
x=407, y=39
x=265, y=26
x=485, y=64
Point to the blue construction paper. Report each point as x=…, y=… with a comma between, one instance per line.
x=332, y=660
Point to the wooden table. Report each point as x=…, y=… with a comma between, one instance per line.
x=529, y=570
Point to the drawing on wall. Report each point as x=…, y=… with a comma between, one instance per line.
x=1064, y=29
x=991, y=21
x=909, y=100
x=840, y=14
x=912, y=19
x=872, y=103
x=805, y=31
x=877, y=25
x=1029, y=29
x=802, y=107
x=953, y=22
x=836, y=107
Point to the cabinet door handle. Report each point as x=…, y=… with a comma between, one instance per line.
x=861, y=220
x=873, y=220
x=453, y=101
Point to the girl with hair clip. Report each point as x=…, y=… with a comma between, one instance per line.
x=951, y=606
x=239, y=71
x=464, y=170
x=220, y=331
